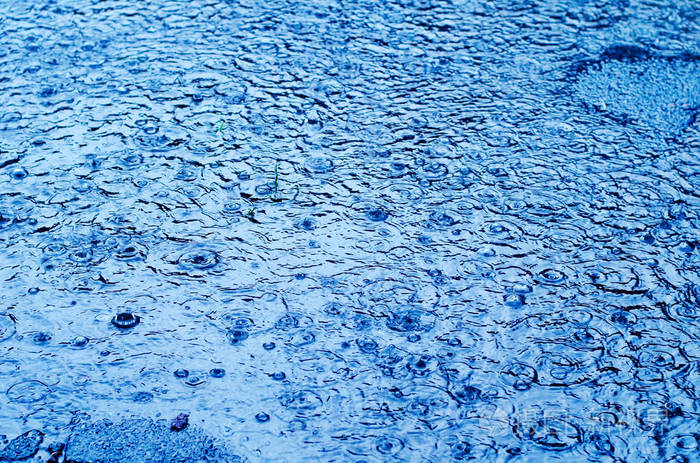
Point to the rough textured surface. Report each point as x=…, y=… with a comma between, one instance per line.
x=23, y=446
x=660, y=94
x=143, y=441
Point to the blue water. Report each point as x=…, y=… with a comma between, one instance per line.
x=355, y=231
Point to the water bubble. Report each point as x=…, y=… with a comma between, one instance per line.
x=262, y=417
x=195, y=379
x=41, y=338
x=278, y=376
x=19, y=173
x=514, y=301
x=217, y=372
x=552, y=276
x=125, y=320
x=269, y=345
x=236, y=336
x=79, y=342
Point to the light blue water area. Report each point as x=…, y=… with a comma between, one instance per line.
x=351, y=230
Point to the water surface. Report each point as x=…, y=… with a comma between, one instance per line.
x=356, y=230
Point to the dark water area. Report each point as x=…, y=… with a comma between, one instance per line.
x=350, y=231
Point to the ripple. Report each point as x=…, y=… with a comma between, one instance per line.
x=433, y=170
x=466, y=394
x=142, y=397
x=519, y=375
x=41, y=338
x=130, y=252
x=442, y=219
x=301, y=400
x=307, y=223
x=551, y=276
x=550, y=433
x=319, y=164
x=199, y=260
x=27, y=392
x=389, y=445
x=559, y=369
x=7, y=326
x=9, y=367
x=165, y=139
x=689, y=306
x=410, y=320
x=232, y=93
x=367, y=345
